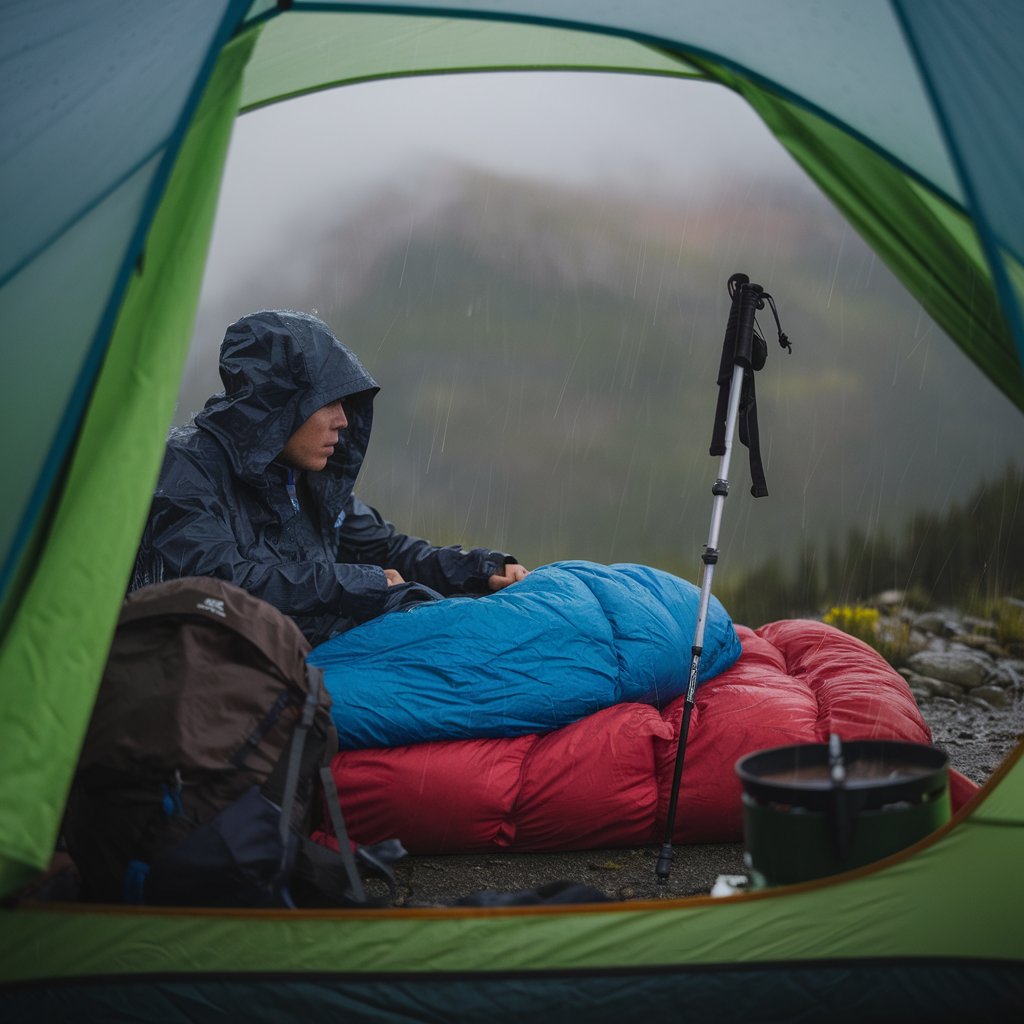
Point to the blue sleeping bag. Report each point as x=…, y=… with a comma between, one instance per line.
x=570, y=639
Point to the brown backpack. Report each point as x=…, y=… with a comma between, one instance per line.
x=199, y=772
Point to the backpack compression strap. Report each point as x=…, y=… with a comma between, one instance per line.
x=357, y=892
x=348, y=861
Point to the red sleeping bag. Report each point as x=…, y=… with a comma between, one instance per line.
x=604, y=781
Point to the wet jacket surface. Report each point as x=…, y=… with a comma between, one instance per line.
x=222, y=506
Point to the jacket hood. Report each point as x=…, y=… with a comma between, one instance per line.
x=278, y=367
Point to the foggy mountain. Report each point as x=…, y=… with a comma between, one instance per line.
x=548, y=359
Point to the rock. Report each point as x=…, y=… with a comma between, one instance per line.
x=996, y=696
x=1008, y=674
x=889, y=599
x=976, y=625
x=978, y=642
x=941, y=623
x=918, y=641
x=896, y=638
x=994, y=650
x=933, y=687
x=965, y=668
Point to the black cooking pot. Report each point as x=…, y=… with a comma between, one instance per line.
x=816, y=809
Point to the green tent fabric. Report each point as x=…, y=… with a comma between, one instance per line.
x=116, y=120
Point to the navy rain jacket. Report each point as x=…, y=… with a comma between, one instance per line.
x=222, y=506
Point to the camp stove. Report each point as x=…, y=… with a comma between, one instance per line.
x=817, y=809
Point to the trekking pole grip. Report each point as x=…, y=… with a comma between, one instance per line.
x=747, y=299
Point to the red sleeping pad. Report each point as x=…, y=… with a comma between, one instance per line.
x=604, y=781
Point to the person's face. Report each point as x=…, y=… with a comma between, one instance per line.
x=313, y=443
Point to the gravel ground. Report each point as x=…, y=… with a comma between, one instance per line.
x=974, y=736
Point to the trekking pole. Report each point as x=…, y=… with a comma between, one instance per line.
x=743, y=352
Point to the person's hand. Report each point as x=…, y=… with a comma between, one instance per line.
x=513, y=573
x=393, y=576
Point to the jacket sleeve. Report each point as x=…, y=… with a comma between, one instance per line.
x=367, y=537
x=190, y=533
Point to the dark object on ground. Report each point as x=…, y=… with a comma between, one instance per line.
x=551, y=893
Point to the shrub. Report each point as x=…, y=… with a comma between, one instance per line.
x=891, y=637
x=856, y=620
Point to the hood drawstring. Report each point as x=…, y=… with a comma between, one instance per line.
x=289, y=486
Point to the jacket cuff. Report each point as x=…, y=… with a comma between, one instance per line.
x=365, y=593
x=491, y=563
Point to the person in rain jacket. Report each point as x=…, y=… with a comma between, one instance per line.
x=258, y=490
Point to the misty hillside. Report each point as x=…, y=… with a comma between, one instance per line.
x=548, y=361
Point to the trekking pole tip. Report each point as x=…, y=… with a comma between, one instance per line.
x=664, y=867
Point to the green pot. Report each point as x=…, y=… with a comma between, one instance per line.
x=804, y=817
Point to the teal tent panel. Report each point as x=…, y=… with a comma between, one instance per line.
x=117, y=77
x=971, y=57
x=41, y=377
x=97, y=95
x=972, y=53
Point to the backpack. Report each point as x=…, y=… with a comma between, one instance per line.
x=206, y=756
